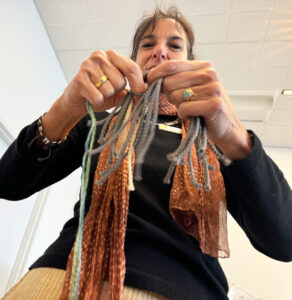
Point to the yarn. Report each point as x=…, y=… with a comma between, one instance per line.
x=147, y=110
x=86, y=160
x=137, y=136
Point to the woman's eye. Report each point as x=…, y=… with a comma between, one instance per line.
x=147, y=45
x=174, y=46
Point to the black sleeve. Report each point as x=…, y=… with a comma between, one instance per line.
x=260, y=200
x=22, y=174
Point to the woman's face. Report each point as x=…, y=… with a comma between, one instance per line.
x=166, y=42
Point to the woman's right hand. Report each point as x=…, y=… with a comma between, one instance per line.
x=116, y=67
x=70, y=107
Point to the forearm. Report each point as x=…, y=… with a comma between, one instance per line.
x=21, y=171
x=260, y=199
x=58, y=121
x=19, y=168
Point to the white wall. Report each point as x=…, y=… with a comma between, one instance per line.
x=249, y=269
x=30, y=74
x=30, y=80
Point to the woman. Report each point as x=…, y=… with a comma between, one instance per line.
x=162, y=260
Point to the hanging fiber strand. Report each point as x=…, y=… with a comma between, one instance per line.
x=147, y=110
x=84, y=183
x=126, y=131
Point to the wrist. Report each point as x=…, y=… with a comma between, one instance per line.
x=58, y=121
x=42, y=140
x=237, y=148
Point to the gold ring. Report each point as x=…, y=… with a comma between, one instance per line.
x=189, y=94
x=101, y=80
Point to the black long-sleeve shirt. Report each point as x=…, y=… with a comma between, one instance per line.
x=160, y=256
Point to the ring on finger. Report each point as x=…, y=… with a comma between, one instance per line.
x=101, y=80
x=189, y=95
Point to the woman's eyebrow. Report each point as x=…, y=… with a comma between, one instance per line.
x=149, y=36
x=171, y=38
x=175, y=38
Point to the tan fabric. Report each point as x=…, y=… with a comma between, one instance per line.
x=47, y=283
x=38, y=284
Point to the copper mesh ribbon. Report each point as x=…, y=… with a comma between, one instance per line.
x=165, y=107
x=199, y=213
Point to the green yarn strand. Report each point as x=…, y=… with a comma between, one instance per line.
x=86, y=161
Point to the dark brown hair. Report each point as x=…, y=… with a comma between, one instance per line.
x=151, y=20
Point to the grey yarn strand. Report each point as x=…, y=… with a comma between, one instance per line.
x=145, y=114
x=148, y=130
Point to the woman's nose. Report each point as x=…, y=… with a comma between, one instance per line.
x=160, y=52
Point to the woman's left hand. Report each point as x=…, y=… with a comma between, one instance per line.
x=211, y=102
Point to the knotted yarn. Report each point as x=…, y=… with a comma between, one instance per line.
x=197, y=199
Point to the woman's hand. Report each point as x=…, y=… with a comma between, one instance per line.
x=71, y=106
x=211, y=102
x=116, y=67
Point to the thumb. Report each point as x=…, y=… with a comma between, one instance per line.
x=129, y=69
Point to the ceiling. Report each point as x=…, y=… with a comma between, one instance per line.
x=249, y=42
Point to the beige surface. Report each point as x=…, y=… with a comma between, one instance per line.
x=47, y=283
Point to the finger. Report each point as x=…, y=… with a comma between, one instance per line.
x=129, y=69
x=113, y=101
x=204, y=92
x=207, y=108
x=88, y=91
x=189, y=79
x=94, y=73
x=172, y=67
x=105, y=88
x=115, y=77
